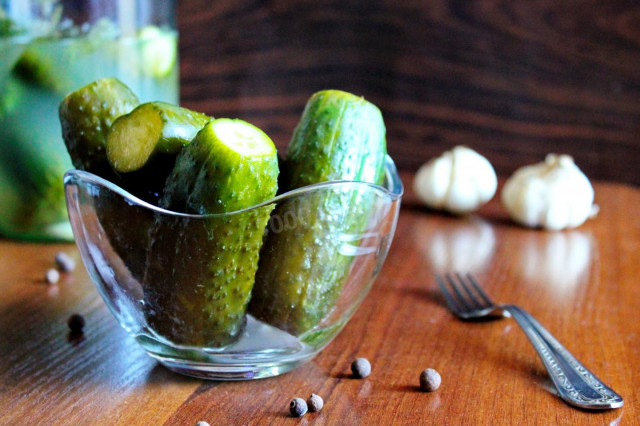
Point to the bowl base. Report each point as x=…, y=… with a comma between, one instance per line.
x=226, y=372
x=262, y=351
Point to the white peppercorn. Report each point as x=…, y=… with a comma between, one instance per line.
x=361, y=368
x=52, y=276
x=315, y=403
x=430, y=380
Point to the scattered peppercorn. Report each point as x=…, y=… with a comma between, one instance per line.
x=361, y=368
x=52, y=276
x=65, y=262
x=298, y=407
x=315, y=403
x=76, y=323
x=430, y=380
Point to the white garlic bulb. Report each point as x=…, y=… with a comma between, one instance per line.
x=459, y=181
x=554, y=194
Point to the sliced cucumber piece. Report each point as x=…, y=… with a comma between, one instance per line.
x=153, y=128
x=159, y=51
x=142, y=146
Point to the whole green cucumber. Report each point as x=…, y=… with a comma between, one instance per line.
x=142, y=145
x=86, y=115
x=36, y=66
x=200, y=271
x=303, y=267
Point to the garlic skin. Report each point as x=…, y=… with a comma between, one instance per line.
x=459, y=181
x=553, y=194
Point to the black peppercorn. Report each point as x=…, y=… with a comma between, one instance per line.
x=65, y=262
x=76, y=323
x=361, y=368
x=298, y=407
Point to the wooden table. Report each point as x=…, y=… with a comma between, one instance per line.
x=582, y=284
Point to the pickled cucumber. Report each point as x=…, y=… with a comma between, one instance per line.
x=86, y=115
x=200, y=271
x=8, y=27
x=303, y=267
x=142, y=145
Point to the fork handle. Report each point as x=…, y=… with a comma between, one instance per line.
x=575, y=383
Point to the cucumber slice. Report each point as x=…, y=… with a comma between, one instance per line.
x=201, y=298
x=86, y=116
x=302, y=268
x=159, y=51
x=153, y=128
x=142, y=146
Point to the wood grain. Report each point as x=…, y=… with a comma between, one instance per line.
x=514, y=80
x=581, y=284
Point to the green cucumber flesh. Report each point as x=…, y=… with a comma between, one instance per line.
x=142, y=146
x=302, y=269
x=153, y=128
x=200, y=272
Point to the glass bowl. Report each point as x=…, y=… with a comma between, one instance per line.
x=178, y=282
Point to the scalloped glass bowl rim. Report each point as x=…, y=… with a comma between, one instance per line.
x=394, y=191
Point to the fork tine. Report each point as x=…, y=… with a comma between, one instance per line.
x=479, y=290
x=462, y=300
x=453, y=305
x=472, y=298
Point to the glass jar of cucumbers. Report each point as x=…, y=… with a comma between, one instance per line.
x=47, y=49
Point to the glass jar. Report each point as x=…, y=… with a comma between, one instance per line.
x=49, y=48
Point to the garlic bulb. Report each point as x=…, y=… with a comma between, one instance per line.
x=554, y=194
x=459, y=181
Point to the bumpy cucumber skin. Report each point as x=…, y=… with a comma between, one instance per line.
x=340, y=136
x=179, y=127
x=86, y=116
x=302, y=270
x=200, y=273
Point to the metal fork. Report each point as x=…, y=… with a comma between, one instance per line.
x=575, y=384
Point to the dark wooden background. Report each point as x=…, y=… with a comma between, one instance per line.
x=513, y=79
